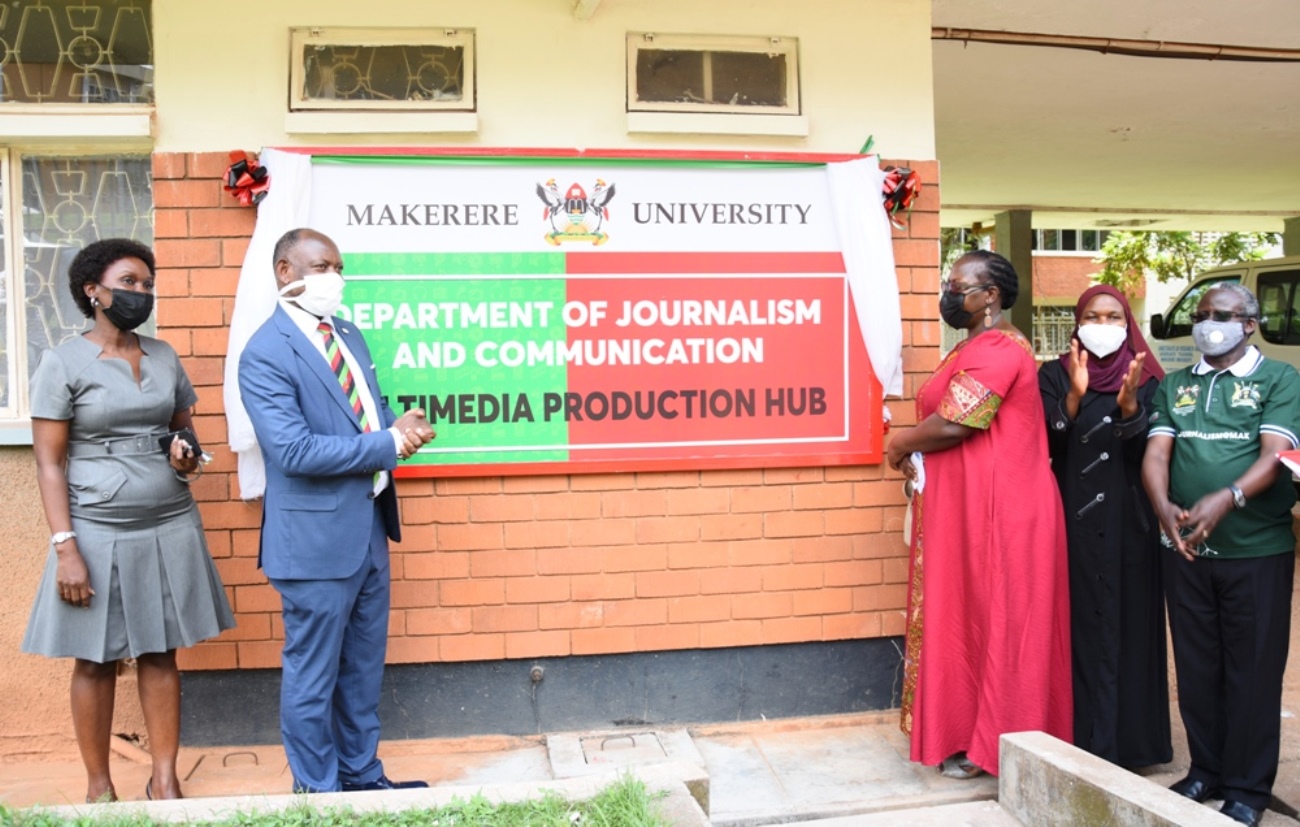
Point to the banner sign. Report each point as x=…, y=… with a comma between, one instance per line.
x=556, y=317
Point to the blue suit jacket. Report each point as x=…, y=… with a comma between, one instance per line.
x=317, y=512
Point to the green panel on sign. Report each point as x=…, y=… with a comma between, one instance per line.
x=454, y=264
x=460, y=349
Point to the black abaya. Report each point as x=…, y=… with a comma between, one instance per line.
x=1117, y=617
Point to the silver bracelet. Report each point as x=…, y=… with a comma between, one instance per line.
x=192, y=476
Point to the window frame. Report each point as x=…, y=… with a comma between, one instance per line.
x=54, y=129
x=758, y=44
x=1040, y=238
x=1289, y=282
x=15, y=411
x=15, y=416
x=77, y=32
x=302, y=36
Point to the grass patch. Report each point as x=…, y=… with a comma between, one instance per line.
x=626, y=803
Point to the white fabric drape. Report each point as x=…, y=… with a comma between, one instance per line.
x=861, y=222
x=287, y=205
x=868, y=250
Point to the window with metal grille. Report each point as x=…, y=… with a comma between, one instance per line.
x=1068, y=241
x=687, y=73
x=1052, y=326
x=53, y=206
x=382, y=69
x=76, y=51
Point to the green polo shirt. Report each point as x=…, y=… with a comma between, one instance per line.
x=1216, y=418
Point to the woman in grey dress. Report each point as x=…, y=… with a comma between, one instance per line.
x=129, y=574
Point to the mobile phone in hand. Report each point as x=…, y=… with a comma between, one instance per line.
x=186, y=435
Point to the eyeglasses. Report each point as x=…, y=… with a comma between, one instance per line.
x=948, y=288
x=1217, y=315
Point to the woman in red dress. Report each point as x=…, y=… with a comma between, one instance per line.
x=988, y=631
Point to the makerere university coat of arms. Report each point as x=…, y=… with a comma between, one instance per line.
x=575, y=216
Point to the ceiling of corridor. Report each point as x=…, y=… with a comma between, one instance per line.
x=1090, y=139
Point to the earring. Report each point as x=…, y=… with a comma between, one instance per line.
x=94, y=302
x=988, y=315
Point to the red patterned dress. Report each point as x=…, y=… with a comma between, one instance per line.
x=988, y=631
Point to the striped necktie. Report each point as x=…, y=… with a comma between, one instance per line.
x=341, y=370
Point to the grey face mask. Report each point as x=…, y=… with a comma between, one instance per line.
x=1217, y=338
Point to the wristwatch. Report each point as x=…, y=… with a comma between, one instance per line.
x=1238, y=497
x=62, y=537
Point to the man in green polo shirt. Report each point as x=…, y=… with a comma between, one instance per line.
x=1224, y=506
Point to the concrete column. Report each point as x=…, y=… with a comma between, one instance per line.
x=1013, y=240
x=1291, y=236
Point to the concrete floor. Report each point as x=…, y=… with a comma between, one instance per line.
x=849, y=769
x=759, y=773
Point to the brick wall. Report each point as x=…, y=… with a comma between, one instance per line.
x=1061, y=279
x=519, y=567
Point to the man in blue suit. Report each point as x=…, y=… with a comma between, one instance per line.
x=330, y=443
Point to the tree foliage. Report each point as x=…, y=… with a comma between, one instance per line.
x=955, y=242
x=1128, y=257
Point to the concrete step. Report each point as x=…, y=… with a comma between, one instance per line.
x=969, y=814
x=764, y=773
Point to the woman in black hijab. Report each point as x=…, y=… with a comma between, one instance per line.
x=1097, y=398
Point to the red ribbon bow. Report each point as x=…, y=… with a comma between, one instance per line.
x=901, y=187
x=246, y=179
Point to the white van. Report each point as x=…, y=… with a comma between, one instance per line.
x=1275, y=281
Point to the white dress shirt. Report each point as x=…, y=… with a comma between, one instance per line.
x=309, y=325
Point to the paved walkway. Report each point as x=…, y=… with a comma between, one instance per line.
x=764, y=772
x=758, y=772
x=801, y=770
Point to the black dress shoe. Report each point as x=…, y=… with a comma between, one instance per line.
x=383, y=782
x=1196, y=790
x=1243, y=813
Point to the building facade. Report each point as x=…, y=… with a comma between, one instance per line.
x=647, y=597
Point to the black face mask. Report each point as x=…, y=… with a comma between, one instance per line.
x=129, y=309
x=953, y=310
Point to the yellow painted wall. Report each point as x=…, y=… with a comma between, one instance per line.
x=547, y=79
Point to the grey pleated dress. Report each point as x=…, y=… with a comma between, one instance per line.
x=138, y=529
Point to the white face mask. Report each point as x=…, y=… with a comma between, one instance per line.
x=1102, y=340
x=322, y=293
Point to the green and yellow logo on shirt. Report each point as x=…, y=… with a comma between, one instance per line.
x=1245, y=395
x=1185, y=399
